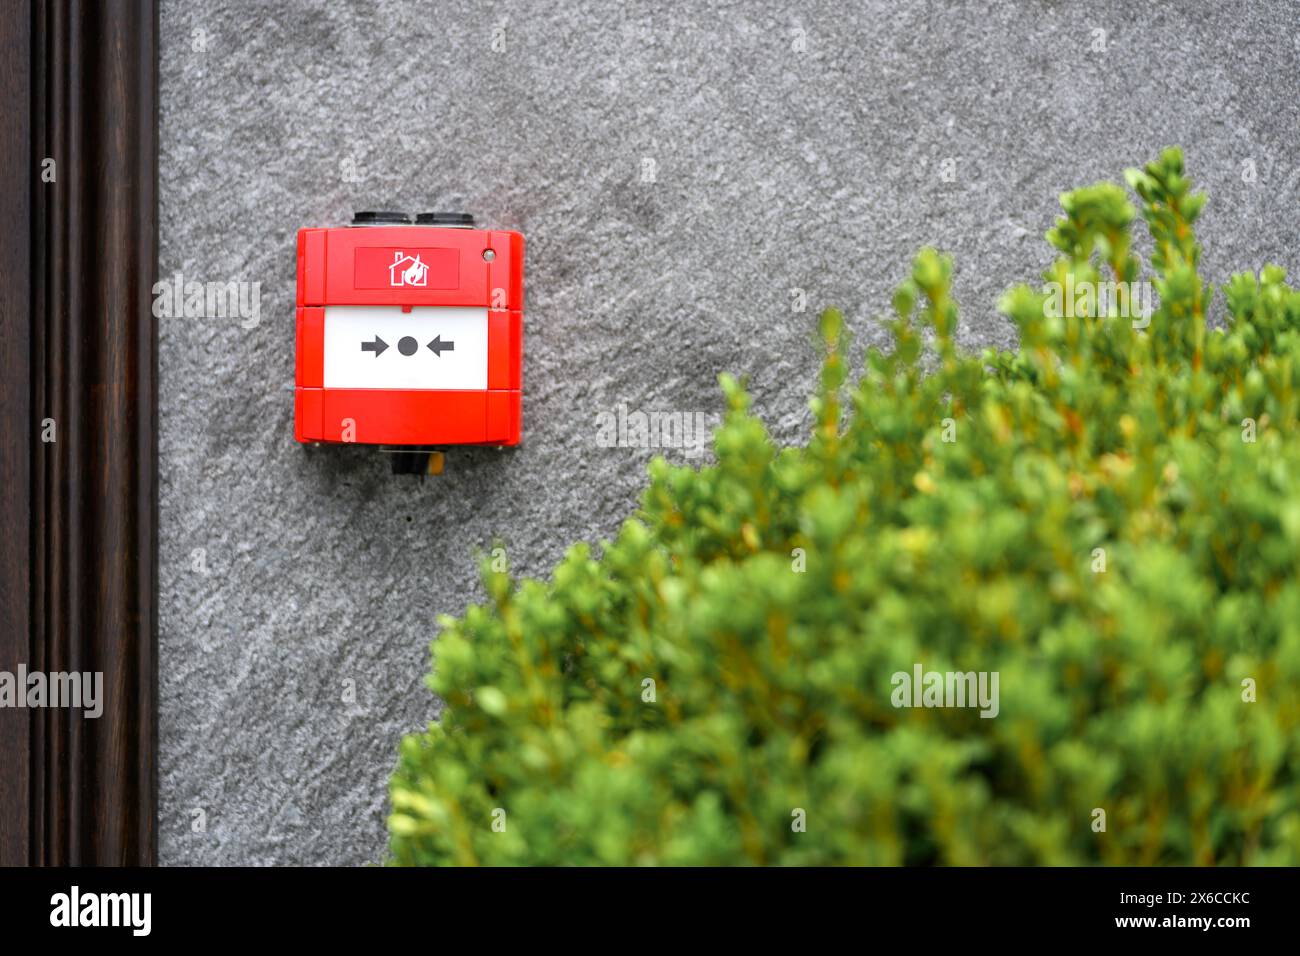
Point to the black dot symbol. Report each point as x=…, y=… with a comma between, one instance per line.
x=408, y=345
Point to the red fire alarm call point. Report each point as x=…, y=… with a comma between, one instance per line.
x=409, y=336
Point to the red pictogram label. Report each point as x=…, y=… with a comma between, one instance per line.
x=392, y=267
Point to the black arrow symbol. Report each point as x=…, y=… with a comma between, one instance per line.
x=438, y=346
x=377, y=346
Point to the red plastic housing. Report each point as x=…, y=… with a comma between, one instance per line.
x=471, y=269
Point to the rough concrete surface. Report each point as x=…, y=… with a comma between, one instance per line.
x=678, y=169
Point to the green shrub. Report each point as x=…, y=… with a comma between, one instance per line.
x=1108, y=518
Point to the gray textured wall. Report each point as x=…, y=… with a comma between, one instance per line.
x=287, y=573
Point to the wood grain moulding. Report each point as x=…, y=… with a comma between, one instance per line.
x=78, y=427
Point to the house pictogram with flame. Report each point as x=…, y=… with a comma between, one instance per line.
x=407, y=270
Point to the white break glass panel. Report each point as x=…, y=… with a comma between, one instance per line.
x=430, y=347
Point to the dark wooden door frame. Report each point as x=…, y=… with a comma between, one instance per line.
x=78, y=362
